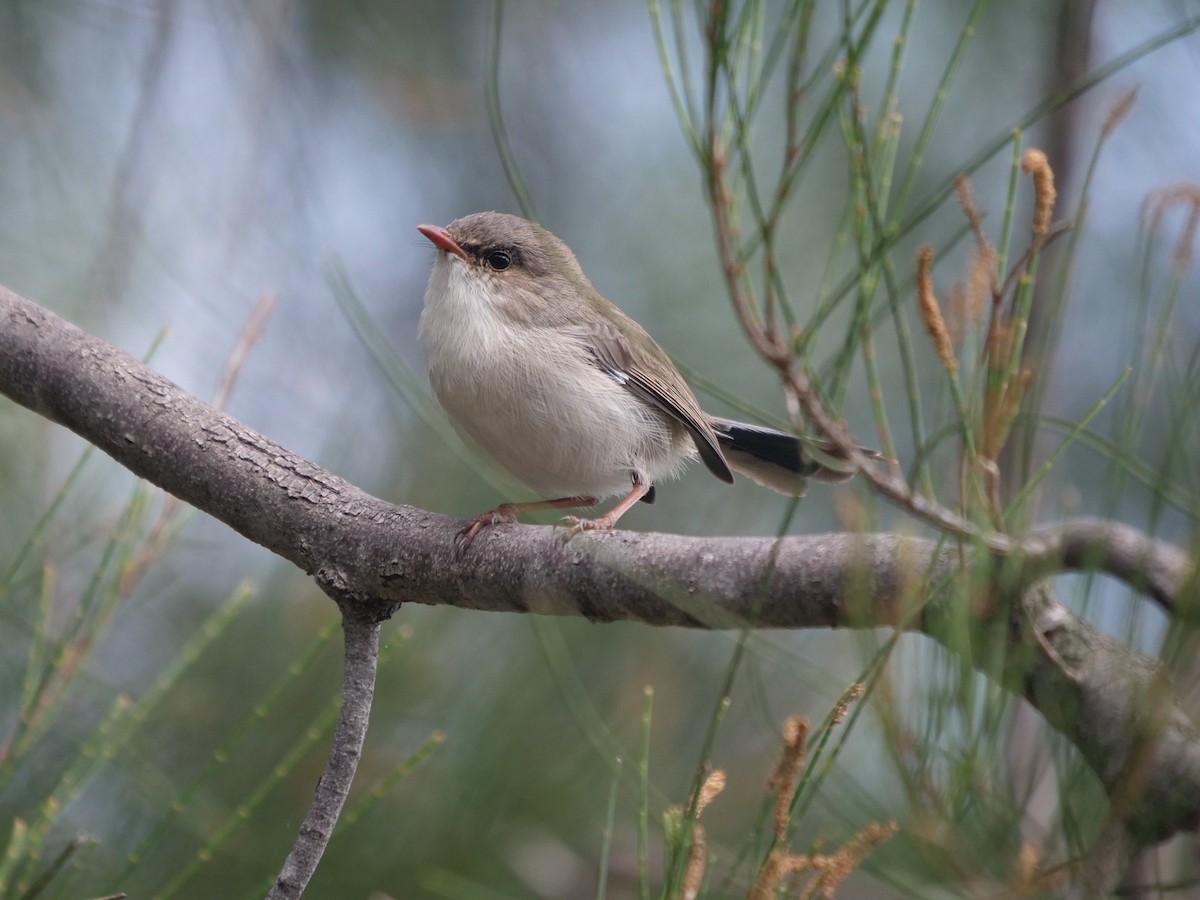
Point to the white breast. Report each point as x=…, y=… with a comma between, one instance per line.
x=533, y=398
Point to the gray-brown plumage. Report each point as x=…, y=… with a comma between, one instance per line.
x=568, y=393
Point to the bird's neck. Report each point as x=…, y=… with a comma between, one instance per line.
x=461, y=319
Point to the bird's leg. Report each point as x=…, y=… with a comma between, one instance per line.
x=606, y=522
x=506, y=514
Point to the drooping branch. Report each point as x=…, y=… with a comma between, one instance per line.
x=366, y=551
x=1160, y=569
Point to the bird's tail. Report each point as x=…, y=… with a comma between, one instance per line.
x=779, y=460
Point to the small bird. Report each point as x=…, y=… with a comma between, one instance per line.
x=569, y=394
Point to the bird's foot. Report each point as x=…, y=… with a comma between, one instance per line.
x=575, y=525
x=504, y=514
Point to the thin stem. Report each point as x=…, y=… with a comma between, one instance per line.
x=939, y=101
x=643, y=821
x=1076, y=429
x=496, y=119
x=361, y=628
x=1036, y=113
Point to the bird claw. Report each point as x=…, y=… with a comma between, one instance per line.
x=465, y=535
x=504, y=514
x=576, y=525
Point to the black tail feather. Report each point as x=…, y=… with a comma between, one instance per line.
x=779, y=460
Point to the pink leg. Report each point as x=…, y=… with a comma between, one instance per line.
x=506, y=514
x=609, y=519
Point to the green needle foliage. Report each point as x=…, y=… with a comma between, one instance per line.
x=541, y=757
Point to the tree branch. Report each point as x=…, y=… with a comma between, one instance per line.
x=1113, y=703
x=1159, y=569
x=358, y=689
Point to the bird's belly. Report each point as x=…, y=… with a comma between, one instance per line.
x=561, y=426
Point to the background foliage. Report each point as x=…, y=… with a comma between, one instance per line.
x=167, y=688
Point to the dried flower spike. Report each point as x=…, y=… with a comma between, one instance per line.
x=787, y=770
x=1119, y=110
x=693, y=875
x=1045, y=194
x=1155, y=207
x=851, y=694
x=713, y=785
x=931, y=313
x=836, y=868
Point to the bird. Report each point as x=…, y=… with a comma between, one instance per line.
x=566, y=392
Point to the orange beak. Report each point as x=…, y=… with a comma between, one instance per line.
x=442, y=240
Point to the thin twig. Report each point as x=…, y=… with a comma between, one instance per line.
x=361, y=624
x=890, y=485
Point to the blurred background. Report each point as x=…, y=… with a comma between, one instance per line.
x=164, y=165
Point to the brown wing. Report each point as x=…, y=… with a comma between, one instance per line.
x=648, y=374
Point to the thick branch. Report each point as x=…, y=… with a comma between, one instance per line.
x=362, y=549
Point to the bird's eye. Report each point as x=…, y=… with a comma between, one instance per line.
x=499, y=259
